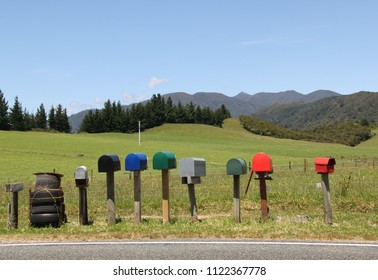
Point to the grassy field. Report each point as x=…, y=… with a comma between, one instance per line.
x=295, y=202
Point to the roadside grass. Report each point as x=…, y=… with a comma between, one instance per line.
x=294, y=200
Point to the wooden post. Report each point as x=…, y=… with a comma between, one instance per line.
x=165, y=191
x=137, y=198
x=237, y=198
x=326, y=199
x=264, y=200
x=289, y=165
x=110, y=197
x=13, y=205
x=193, y=205
x=305, y=165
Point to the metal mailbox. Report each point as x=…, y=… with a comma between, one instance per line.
x=192, y=167
x=109, y=163
x=136, y=162
x=164, y=161
x=236, y=166
x=324, y=165
x=81, y=176
x=261, y=162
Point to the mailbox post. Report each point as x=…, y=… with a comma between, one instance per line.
x=262, y=165
x=13, y=205
x=191, y=170
x=81, y=181
x=324, y=166
x=164, y=161
x=236, y=167
x=109, y=164
x=136, y=162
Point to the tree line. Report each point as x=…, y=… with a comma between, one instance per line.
x=157, y=111
x=18, y=118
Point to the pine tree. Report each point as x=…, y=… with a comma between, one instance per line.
x=29, y=121
x=170, y=111
x=41, y=118
x=52, y=120
x=4, y=117
x=16, y=116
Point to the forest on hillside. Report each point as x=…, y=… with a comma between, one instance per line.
x=157, y=111
x=349, y=133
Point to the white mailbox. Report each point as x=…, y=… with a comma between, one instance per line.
x=81, y=176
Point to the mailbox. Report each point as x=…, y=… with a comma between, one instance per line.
x=81, y=176
x=324, y=165
x=164, y=161
x=136, y=162
x=236, y=166
x=109, y=163
x=192, y=167
x=261, y=162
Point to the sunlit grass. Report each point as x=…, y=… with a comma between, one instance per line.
x=294, y=201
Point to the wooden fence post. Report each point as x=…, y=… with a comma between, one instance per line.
x=13, y=205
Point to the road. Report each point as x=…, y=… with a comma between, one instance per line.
x=191, y=250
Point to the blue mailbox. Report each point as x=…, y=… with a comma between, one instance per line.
x=136, y=162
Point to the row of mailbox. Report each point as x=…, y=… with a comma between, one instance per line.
x=193, y=167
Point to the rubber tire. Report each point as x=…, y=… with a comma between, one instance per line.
x=45, y=219
x=43, y=209
x=45, y=196
x=47, y=181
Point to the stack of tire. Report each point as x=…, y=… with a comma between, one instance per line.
x=47, y=201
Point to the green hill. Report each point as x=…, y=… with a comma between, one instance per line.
x=349, y=133
x=324, y=112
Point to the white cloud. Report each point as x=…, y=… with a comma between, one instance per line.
x=128, y=98
x=154, y=81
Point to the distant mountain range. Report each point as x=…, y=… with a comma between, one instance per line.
x=241, y=104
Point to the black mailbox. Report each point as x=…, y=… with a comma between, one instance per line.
x=109, y=163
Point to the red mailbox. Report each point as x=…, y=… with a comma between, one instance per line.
x=261, y=162
x=324, y=165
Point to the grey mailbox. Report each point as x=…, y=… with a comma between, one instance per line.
x=190, y=171
x=192, y=167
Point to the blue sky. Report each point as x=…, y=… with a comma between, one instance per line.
x=82, y=53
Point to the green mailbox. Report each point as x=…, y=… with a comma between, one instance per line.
x=236, y=166
x=164, y=161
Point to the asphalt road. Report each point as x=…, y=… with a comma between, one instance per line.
x=191, y=250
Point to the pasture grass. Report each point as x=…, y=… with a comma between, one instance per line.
x=294, y=200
